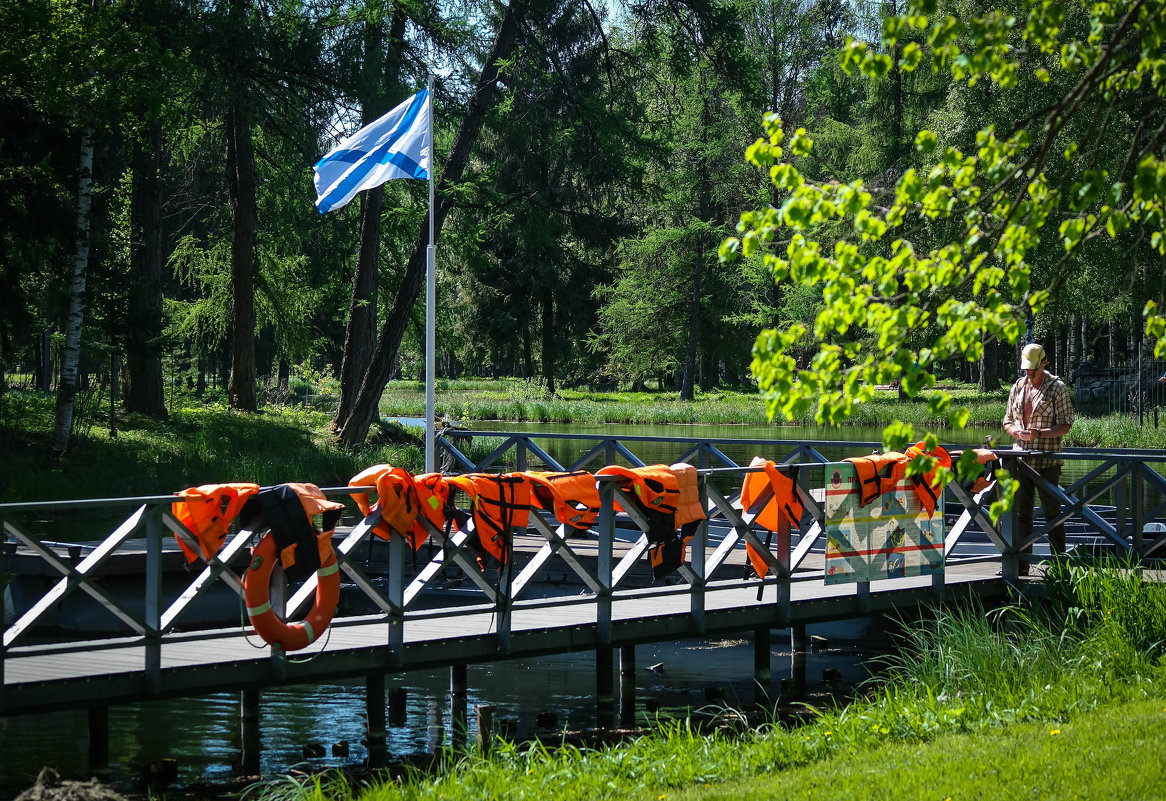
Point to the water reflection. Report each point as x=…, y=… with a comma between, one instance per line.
x=199, y=738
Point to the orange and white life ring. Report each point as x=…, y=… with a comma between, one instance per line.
x=257, y=594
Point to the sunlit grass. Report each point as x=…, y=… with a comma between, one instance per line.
x=1116, y=431
x=514, y=400
x=1079, y=673
x=479, y=402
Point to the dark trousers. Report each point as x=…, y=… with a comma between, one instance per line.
x=1050, y=504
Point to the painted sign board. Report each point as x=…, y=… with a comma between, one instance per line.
x=890, y=537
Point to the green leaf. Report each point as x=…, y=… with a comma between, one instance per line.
x=968, y=467
x=925, y=142
x=897, y=436
x=912, y=55
x=729, y=249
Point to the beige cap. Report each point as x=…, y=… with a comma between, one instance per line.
x=1031, y=357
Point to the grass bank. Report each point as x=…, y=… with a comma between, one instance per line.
x=515, y=400
x=199, y=444
x=1022, y=701
x=207, y=442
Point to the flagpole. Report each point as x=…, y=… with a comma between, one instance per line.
x=430, y=304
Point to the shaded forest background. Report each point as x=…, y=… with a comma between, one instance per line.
x=156, y=202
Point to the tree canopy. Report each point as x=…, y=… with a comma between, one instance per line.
x=970, y=242
x=928, y=182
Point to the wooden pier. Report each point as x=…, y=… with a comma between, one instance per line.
x=607, y=606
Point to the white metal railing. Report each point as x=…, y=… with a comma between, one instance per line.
x=1130, y=478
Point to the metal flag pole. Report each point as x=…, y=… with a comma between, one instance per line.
x=430, y=302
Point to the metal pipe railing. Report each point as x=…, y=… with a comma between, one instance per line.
x=1128, y=476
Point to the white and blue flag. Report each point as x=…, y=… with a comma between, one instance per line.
x=398, y=145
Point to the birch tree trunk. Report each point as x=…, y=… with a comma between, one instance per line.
x=1074, y=343
x=71, y=354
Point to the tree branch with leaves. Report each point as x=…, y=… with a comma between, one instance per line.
x=973, y=282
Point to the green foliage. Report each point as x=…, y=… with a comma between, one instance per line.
x=984, y=140
x=640, y=333
x=1111, y=601
x=951, y=251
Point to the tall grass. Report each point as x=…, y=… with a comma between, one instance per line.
x=1116, y=431
x=1096, y=640
x=523, y=401
x=1111, y=606
x=1097, y=635
x=514, y=400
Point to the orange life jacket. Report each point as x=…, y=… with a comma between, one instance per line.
x=287, y=511
x=986, y=458
x=881, y=472
x=572, y=497
x=207, y=511
x=878, y=473
x=397, y=500
x=689, y=507
x=432, y=498
x=655, y=486
x=500, y=503
x=669, y=495
x=926, y=487
x=784, y=507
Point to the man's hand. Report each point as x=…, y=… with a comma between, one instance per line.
x=1024, y=435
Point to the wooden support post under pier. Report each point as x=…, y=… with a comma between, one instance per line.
x=627, y=685
x=398, y=714
x=458, y=691
x=98, y=740
x=604, y=686
x=485, y=713
x=375, y=706
x=249, y=729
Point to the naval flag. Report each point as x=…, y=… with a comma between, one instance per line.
x=398, y=145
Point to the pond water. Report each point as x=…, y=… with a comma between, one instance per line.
x=545, y=696
x=739, y=442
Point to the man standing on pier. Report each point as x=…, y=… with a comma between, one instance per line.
x=1039, y=415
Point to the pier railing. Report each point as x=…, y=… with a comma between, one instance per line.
x=1112, y=500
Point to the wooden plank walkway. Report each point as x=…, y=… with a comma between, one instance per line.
x=101, y=672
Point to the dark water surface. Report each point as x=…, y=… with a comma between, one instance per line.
x=534, y=697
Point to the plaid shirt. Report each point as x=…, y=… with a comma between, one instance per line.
x=1051, y=407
